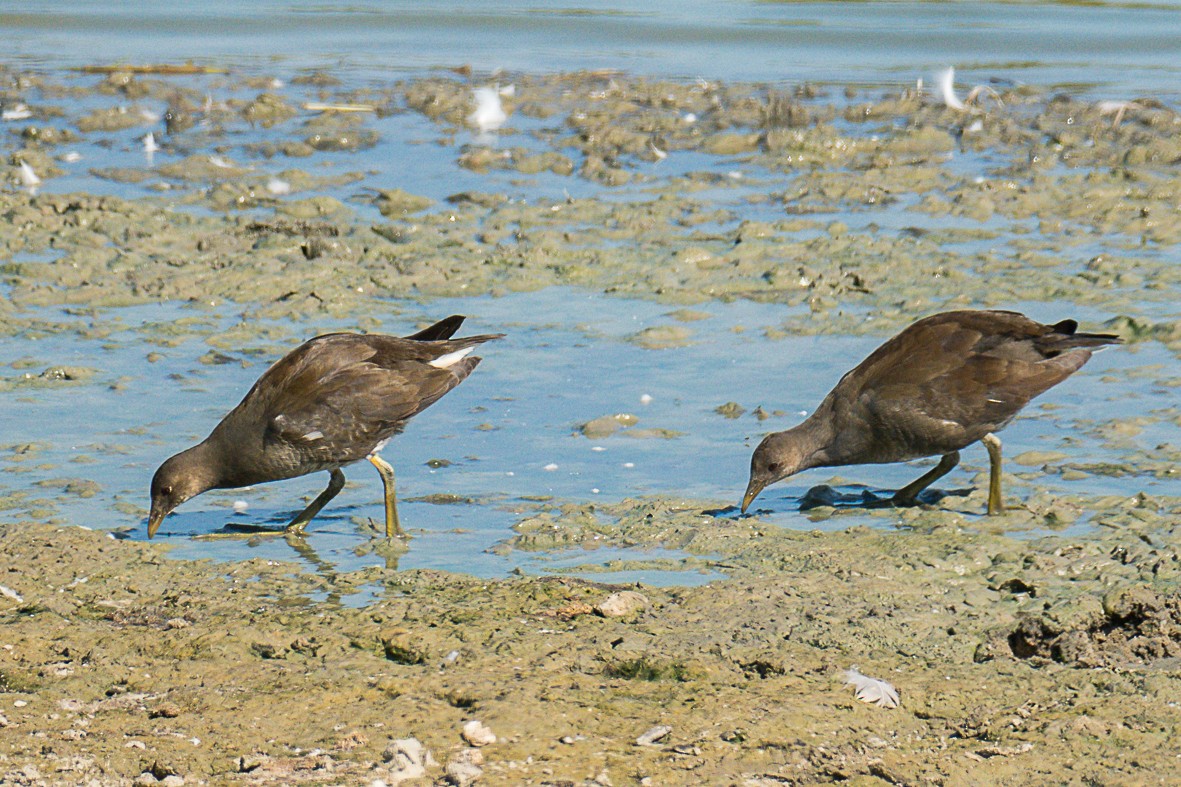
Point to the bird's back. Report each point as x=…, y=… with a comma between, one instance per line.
x=331, y=400
x=949, y=379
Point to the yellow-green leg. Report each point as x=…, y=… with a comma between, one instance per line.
x=993, y=444
x=335, y=484
x=907, y=495
x=392, y=526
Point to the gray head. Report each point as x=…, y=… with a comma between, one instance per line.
x=781, y=454
x=181, y=478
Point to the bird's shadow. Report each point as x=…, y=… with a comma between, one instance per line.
x=857, y=497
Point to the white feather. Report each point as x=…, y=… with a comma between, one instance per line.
x=278, y=187
x=314, y=435
x=871, y=690
x=19, y=112
x=489, y=114
x=450, y=359
x=947, y=88
x=28, y=176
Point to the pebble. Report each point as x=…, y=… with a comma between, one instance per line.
x=621, y=604
x=464, y=768
x=477, y=733
x=651, y=736
x=408, y=759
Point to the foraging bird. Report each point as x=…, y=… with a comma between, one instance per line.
x=332, y=401
x=941, y=384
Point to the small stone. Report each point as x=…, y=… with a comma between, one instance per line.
x=607, y=425
x=621, y=604
x=165, y=710
x=173, y=780
x=145, y=779
x=408, y=759
x=651, y=736
x=662, y=337
x=252, y=762
x=1038, y=458
x=464, y=768
x=477, y=733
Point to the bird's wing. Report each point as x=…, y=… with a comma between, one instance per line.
x=336, y=396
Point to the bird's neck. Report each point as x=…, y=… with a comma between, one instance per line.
x=815, y=438
x=203, y=464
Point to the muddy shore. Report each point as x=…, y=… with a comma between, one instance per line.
x=1023, y=653
x=1036, y=662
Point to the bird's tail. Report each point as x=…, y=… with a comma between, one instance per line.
x=1063, y=337
x=443, y=329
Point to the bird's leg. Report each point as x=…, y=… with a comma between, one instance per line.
x=392, y=526
x=335, y=484
x=907, y=495
x=993, y=444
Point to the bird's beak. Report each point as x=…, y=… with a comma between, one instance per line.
x=154, y=520
x=752, y=491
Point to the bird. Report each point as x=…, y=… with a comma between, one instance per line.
x=334, y=400
x=943, y=383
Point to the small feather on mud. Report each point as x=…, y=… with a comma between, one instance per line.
x=872, y=690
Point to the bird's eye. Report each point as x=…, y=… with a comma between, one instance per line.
x=774, y=467
x=167, y=491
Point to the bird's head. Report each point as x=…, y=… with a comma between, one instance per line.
x=780, y=455
x=178, y=479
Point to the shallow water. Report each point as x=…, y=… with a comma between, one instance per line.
x=1114, y=49
x=511, y=431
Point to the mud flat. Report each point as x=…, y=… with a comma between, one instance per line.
x=1040, y=647
x=1030, y=661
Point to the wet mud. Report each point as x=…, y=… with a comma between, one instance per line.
x=1041, y=647
x=1031, y=661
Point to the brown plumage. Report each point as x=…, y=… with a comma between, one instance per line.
x=332, y=401
x=941, y=384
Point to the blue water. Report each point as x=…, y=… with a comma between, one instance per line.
x=1113, y=49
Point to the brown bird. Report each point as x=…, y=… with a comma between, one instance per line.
x=332, y=401
x=940, y=385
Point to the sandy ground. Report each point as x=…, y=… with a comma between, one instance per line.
x=1020, y=658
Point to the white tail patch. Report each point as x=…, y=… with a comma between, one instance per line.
x=314, y=435
x=450, y=359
